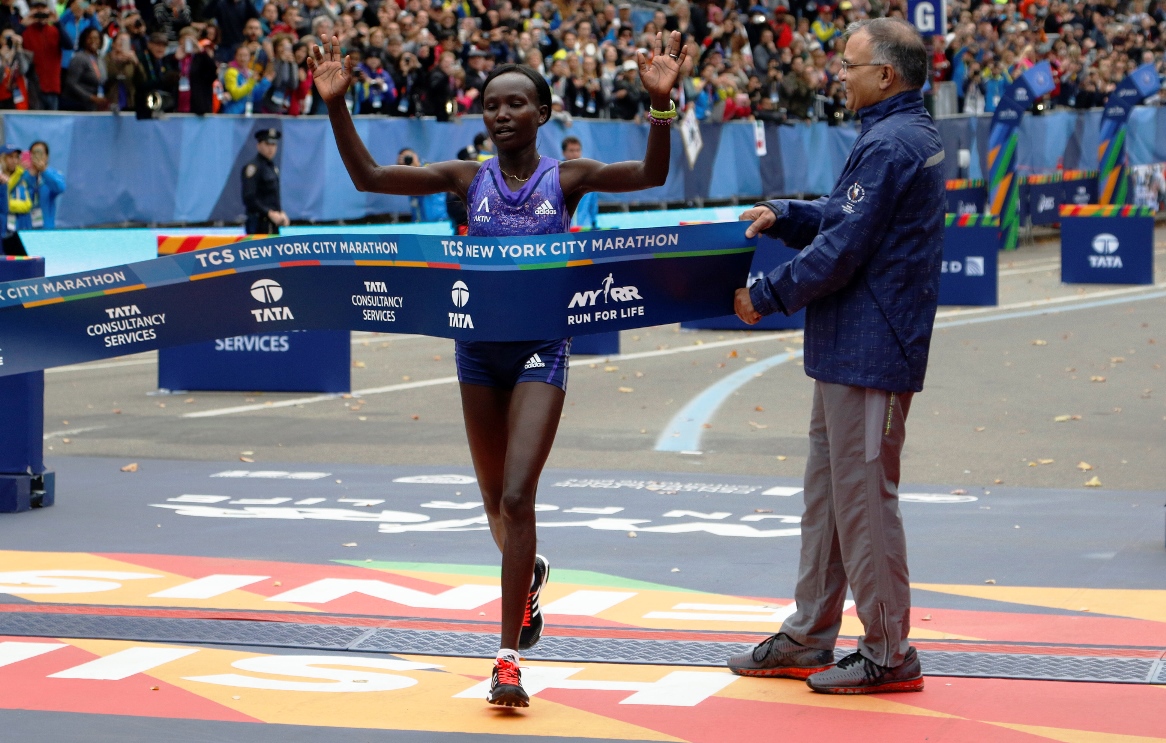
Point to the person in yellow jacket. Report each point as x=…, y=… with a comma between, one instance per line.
x=824, y=28
x=243, y=85
x=18, y=203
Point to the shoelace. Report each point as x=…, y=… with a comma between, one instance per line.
x=526, y=615
x=507, y=673
x=767, y=645
x=870, y=670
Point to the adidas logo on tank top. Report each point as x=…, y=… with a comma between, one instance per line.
x=546, y=208
x=534, y=362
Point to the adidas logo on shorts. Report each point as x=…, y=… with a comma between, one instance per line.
x=534, y=362
x=545, y=209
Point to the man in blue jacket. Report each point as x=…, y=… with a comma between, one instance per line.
x=868, y=276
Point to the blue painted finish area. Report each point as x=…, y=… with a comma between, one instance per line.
x=683, y=432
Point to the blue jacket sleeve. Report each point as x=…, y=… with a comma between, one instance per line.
x=854, y=218
x=55, y=181
x=798, y=221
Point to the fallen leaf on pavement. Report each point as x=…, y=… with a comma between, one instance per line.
x=1084, y=466
x=348, y=544
x=991, y=581
x=131, y=467
x=610, y=368
x=707, y=425
x=762, y=510
x=1045, y=461
x=1062, y=418
x=248, y=460
x=781, y=458
x=959, y=491
x=757, y=425
x=626, y=389
x=1096, y=378
x=415, y=417
x=358, y=364
x=1039, y=342
x=979, y=429
x=731, y=355
x=1093, y=482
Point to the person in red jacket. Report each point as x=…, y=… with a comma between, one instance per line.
x=43, y=38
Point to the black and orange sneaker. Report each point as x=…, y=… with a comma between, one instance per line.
x=856, y=674
x=532, y=618
x=781, y=657
x=506, y=685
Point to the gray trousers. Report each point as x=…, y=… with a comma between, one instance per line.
x=852, y=530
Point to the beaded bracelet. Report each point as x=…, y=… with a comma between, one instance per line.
x=662, y=118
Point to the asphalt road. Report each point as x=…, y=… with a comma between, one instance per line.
x=998, y=381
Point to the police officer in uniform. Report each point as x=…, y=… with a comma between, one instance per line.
x=261, y=186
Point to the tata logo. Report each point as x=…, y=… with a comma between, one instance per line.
x=267, y=291
x=460, y=294
x=460, y=320
x=1105, y=245
x=128, y=311
x=610, y=294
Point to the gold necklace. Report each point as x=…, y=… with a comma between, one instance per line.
x=521, y=180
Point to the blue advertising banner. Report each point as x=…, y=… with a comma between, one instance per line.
x=466, y=288
x=1107, y=245
x=294, y=361
x=770, y=254
x=970, y=246
x=1114, y=165
x=1003, y=186
x=966, y=196
x=928, y=16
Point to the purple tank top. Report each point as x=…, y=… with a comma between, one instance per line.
x=538, y=208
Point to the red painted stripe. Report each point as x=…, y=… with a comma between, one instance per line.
x=190, y=244
x=293, y=264
x=454, y=266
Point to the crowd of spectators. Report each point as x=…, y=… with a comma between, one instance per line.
x=776, y=60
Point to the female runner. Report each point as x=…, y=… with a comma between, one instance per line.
x=515, y=388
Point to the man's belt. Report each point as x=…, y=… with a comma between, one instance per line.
x=467, y=288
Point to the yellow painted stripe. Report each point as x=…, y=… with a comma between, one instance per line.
x=412, y=264
x=124, y=289
x=43, y=302
x=1149, y=604
x=375, y=263
x=584, y=262
x=212, y=274
x=1076, y=736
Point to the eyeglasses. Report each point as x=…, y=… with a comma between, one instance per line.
x=848, y=66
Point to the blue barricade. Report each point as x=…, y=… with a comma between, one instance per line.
x=966, y=196
x=1046, y=193
x=1080, y=187
x=24, y=481
x=1107, y=245
x=970, y=245
x=102, y=159
x=770, y=254
x=287, y=361
x=306, y=361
